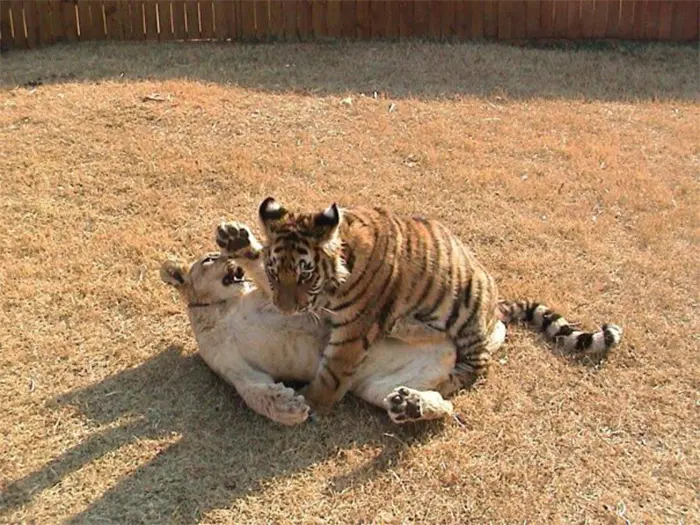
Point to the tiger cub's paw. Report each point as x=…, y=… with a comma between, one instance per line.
x=405, y=405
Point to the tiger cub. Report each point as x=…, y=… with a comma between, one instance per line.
x=362, y=269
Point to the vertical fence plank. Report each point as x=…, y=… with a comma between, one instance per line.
x=289, y=15
x=127, y=23
x=7, y=22
x=206, y=14
x=587, y=18
x=421, y=14
x=19, y=39
x=164, y=21
x=447, y=19
x=262, y=20
x=136, y=20
x=665, y=16
x=277, y=20
x=305, y=27
x=97, y=20
x=192, y=16
x=33, y=23
x=511, y=19
x=334, y=23
x=136, y=15
x=405, y=19
x=477, y=19
x=150, y=14
x=434, y=21
x=125, y=19
x=378, y=13
x=601, y=18
x=626, y=25
x=462, y=22
x=178, y=8
x=58, y=30
x=504, y=19
x=693, y=22
x=393, y=19
x=70, y=21
x=688, y=16
x=246, y=8
x=639, y=20
x=491, y=20
x=222, y=14
x=348, y=19
x=363, y=28
x=32, y=20
x=651, y=30
x=613, y=19
x=518, y=20
x=547, y=19
x=113, y=20
x=319, y=10
x=573, y=26
x=43, y=14
x=676, y=20
x=532, y=19
x=561, y=18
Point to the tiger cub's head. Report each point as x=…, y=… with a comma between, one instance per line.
x=303, y=255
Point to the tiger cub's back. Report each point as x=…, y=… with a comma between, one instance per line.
x=410, y=267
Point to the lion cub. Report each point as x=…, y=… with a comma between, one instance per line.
x=243, y=339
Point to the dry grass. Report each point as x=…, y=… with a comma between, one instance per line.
x=573, y=174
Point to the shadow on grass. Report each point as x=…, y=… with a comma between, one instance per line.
x=608, y=71
x=220, y=451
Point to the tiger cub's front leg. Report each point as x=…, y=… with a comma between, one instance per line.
x=341, y=358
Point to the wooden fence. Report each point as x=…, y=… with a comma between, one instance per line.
x=26, y=24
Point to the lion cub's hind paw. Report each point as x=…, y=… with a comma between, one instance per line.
x=288, y=407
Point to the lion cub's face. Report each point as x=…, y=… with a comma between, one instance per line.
x=213, y=278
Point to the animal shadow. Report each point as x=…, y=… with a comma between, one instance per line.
x=212, y=450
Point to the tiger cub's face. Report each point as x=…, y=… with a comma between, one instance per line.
x=302, y=255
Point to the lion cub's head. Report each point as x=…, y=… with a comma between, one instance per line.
x=213, y=279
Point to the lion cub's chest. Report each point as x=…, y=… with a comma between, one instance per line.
x=285, y=347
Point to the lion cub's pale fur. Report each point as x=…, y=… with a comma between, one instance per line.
x=249, y=344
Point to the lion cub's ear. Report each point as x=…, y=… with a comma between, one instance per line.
x=172, y=273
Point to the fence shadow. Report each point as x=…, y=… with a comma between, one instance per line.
x=220, y=451
x=595, y=71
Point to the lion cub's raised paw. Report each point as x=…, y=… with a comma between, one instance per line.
x=237, y=240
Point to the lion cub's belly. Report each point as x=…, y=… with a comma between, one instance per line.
x=286, y=347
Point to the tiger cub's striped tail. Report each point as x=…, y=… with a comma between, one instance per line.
x=558, y=329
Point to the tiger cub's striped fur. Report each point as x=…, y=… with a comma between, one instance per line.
x=365, y=268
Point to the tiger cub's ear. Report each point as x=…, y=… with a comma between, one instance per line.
x=270, y=211
x=326, y=223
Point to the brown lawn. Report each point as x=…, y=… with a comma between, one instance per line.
x=574, y=175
